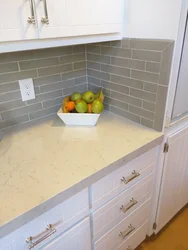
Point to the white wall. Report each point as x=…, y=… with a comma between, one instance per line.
x=152, y=18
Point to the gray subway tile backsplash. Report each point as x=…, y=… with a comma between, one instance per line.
x=131, y=73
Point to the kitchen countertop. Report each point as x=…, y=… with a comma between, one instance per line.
x=42, y=165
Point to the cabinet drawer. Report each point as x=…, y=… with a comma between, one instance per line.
x=112, y=213
x=135, y=240
x=78, y=237
x=123, y=178
x=60, y=217
x=120, y=233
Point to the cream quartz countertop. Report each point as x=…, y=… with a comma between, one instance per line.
x=44, y=164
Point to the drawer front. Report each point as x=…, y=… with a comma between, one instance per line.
x=77, y=238
x=120, y=233
x=120, y=207
x=135, y=240
x=61, y=217
x=123, y=178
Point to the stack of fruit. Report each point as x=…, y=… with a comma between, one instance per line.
x=86, y=103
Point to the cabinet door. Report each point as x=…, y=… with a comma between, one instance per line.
x=77, y=238
x=174, y=182
x=14, y=21
x=69, y=18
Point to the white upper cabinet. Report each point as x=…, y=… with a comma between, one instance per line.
x=14, y=24
x=69, y=18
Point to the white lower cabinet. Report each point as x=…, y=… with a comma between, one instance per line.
x=77, y=238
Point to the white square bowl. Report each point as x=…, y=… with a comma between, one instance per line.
x=78, y=119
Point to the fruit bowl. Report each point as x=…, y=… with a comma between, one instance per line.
x=78, y=119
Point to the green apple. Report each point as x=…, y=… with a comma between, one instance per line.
x=88, y=96
x=76, y=96
x=97, y=107
x=81, y=106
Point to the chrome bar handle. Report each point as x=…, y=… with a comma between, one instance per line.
x=45, y=19
x=129, y=230
x=33, y=244
x=31, y=19
x=131, y=177
x=128, y=206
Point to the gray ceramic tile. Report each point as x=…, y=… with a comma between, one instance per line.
x=94, y=88
x=153, y=67
x=80, y=88
x=160, y=107
x=149, y=44
x=11, y=77
x=98, y=58
x=10, y=96
x=127, y=81
x=9, y=87
x=79, y=48
x=145, y=76
x=115, y=70
x=79, y=65
x=51, y=52
x=43, y=112
x=146, y=122
x=53, y=102
x=39, y=63
x=93, y=49
x=166, y=65
x=93, y=65
x=73, y=74
x=17, y=56
x=106, y=106
x=95, y=81
x=55, y=69
x=46, y=80
x=116, y=103
x=151, y=97
x=80, y=80
x=116, y=44
x=141, y=112
x=46, y=96
x=149, y=106
x=14, y=121
x=20, y=111
x=103, y=44
x=117, y=52
x=11, y=105
x=128, y=63
x=126, y=43
x=126, y=98
x=72, y=58
x=59, y=85
x=115, y=87
x=146, y=55
x=125, y=114
x=98, y=74
x=150, y=87
x=8, y=67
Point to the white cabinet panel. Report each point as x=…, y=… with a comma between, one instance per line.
x=13, y=21
x=174, y=188
x=78, y=238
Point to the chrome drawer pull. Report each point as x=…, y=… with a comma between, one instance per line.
x=31, y=19
x=129, y=230
x=33, y=244
x=45, y=19
x=128, y=206
x=130, y=178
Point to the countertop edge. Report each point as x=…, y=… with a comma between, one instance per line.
x=59, y=198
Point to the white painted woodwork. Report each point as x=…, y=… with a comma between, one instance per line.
x=111, y=185
x=61, y=217
x=77, y=238
x=112, y=239
x=174, y=188
x=69, y=18
x=109, y=215
x=134, y=240
x=13, y=21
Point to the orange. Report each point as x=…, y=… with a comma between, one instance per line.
x=89, y=106
x=70, y=106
